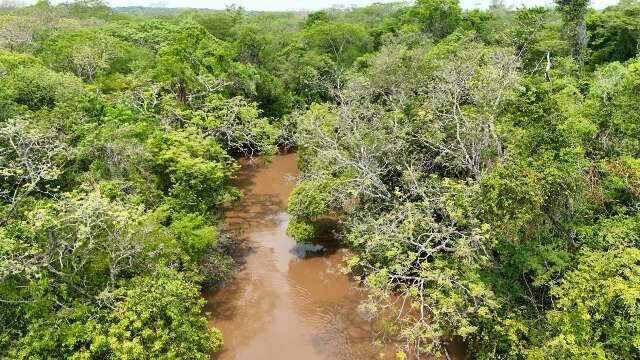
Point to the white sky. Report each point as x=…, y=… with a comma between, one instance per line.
x=312, y=4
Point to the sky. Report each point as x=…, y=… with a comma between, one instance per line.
x=279, y=5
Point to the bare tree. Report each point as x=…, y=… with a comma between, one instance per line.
x=465, y=98
x=89, y=225
x=29, y=157
x=16, y=32
x=358, y=140
x=89, y=59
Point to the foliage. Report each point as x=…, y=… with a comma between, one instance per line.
x=303, y=230
x=437, y=17
x=483, y=166
x=115, y=143
x=163, y=313
x=191, y=168
x=609, y=321
x=573, y=14
x=614, y=34
x=482, y=200
x=343, y=43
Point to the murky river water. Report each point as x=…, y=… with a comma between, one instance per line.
x=285, y=303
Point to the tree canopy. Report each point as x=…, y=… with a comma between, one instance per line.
x=483, y=165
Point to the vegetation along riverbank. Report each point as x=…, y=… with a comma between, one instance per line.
x=483, y=167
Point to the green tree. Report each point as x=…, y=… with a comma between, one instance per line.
x=191, y=168
x=597, y=311
x=575, y=27
x=343, y=43
x=436, y=17
x=160, y=318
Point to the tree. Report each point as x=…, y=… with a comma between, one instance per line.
x=482, y=196
x=597, y=309
x=90, y=59
x=29, y=85
x=389, y=158
x=611, y=103
x=15, y=33
x=528, y=34
x=436, y=17
x=467, y=93
x=192, y=53
x=342, y=42
x=421, y=259
x=160, y=317
x=235, y=123
x=191, y=168
x=575, y=27
x=614, y=34
x=90, y=226
x=111, y=191
x=85, y=53
x=29, y=159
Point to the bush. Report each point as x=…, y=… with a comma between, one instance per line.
x=304, y=231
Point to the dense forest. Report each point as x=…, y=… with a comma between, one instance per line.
x=484, y=166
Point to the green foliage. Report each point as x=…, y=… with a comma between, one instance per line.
x=192, y=52
x=497, y=201
x=310, y=199
x=155, y=317
x=237, y=124
x=613, y=106
x=481, y=194
x=528, y=34
x=573, y=14
x=115, y=142
x=220, y=23
x=303, y=230
x=191, y=168
x=161, y=318
x=193, y=233
x=342, y=43
x=29, y=85
x=315, y=17
x=614, y=34
x=86, y=53
x=602, y=326
x=436, y=17
x=215, y=265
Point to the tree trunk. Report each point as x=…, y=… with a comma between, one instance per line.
x=580, y=39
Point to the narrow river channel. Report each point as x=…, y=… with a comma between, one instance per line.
x=285, y=302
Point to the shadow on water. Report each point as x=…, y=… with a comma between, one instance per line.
x=326, y=244
x=261, y=210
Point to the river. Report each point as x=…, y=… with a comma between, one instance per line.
x=285, y=302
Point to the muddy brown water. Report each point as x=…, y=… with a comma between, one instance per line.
x=285, y=302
